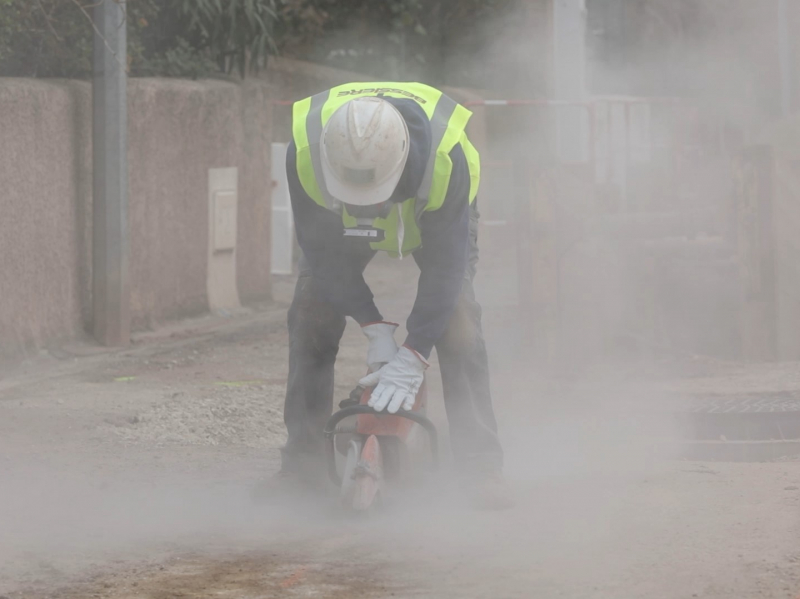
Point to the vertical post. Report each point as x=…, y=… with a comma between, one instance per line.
x=755, y=243
x=521, y=181
x=110, y=284
x=569, y=78
x=785, y=45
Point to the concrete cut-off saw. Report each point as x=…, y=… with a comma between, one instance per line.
x=370, y=452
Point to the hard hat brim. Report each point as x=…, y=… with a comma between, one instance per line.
x=359, y=195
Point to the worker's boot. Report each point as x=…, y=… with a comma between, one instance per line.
x=488, y=491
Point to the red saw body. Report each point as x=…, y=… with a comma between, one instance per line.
x=378, y=449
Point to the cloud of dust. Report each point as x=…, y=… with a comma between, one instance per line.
x=636, y=258
x=633, y=250
x=62, y=525
x=582, y=427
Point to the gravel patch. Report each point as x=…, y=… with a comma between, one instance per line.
x=246, y=415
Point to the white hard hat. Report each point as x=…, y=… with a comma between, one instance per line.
x=364, y=149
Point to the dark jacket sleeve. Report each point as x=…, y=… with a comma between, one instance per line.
x=336, y=263
x=442, y=260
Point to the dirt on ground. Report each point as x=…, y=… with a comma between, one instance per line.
x=127, y=474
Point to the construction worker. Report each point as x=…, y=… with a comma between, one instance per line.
x=388, y=167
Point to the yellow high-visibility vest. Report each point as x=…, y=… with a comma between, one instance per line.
x=448, y=123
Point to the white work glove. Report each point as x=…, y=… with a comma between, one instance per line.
x=397, y=382
x=382, y=346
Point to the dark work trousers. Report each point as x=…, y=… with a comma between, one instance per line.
x=315, y=330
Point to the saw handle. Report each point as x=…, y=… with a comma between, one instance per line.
x=331, y=432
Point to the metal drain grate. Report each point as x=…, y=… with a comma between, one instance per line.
x=741, y=427
x=747, y=403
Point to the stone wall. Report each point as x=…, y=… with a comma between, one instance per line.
x=178, y=130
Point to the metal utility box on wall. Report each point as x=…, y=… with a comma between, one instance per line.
x=222, y=231
x=224, y=221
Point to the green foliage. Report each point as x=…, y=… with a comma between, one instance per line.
x=389, y=38
x=195, y=38
x=237, y=32
x=175, y=38
x=53, y=38
x=31, y=46
x=7, y=27
x=182, y=60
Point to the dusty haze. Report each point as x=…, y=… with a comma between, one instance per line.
x=128, y=474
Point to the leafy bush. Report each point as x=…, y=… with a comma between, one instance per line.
x=195, y=38
x=391, y=38
x=182, y=60
x=44, y=38
x=234, y=31
x=176, y=38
